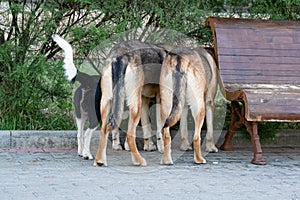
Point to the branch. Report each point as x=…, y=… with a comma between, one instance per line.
x=14, y=22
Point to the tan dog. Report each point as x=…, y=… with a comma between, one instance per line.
x=129, y=71
x=186, y=77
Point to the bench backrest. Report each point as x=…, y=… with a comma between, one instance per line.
x=251, y=52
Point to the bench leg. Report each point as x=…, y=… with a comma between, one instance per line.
x=258, y=158
x=236, y=122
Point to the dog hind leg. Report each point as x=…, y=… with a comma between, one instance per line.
x=195, y=99
x=159, y=124
x=165, y=93
x=167, y=158
x=80, y=133
x=146, y=126
x=116, y=145
x=209, y=102
x=210, y=142
x=184, y=140
x=199, y=118
x=137, y=159
x=100, y=159
x=105, y=108
x=134, y=80
x=87, y=140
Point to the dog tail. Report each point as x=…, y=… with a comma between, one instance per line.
x=69, y=67
x=119, y=66
x=98, y=95
x=179, y=87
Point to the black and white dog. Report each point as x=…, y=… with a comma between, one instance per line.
x=86, y=101
x=87, y=106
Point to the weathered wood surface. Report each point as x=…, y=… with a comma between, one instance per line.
x=259, y=63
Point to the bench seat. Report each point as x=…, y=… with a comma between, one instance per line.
x=271, y=106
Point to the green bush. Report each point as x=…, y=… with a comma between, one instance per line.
x=35, y=95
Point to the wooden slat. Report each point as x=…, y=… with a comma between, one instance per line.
x=257, y=45
x=276, y=106
x=259, y=76
x=251, y=80
x=228, y=51
x=261, y=60
x=257, y=23
x=262, y=73
x=254, y=66
x=276, y=35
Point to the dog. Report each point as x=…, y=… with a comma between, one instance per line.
x=86, y=101
x=151, y=89
x=130, y=70
x=211, y=77
x=189, y=77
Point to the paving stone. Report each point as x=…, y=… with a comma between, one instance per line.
x=227, y=175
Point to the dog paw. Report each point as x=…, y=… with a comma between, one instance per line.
x=185, y=147
x=86, y=154
x=100, y=163
x=117, y=147
x=200, y=160
x=160, y=146
x=88, y=157
x=149, y=146
x=79, y=153
x=211, y=149
x=166, y=162
x=140, y=162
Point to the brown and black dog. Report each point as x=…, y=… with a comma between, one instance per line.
x=125, y=73
x=188, y=78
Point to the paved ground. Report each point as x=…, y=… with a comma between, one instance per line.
x=61, y=174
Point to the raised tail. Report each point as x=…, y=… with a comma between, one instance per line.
x=119, y=66
x=69, y=67
x=179, y=88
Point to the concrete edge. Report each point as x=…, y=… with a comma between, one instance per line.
x=38, y=139
x=68, y=139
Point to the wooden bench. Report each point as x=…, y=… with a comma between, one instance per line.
x=259, y=72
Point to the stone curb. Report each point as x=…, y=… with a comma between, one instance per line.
x=38, y=139
x=68, y=139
